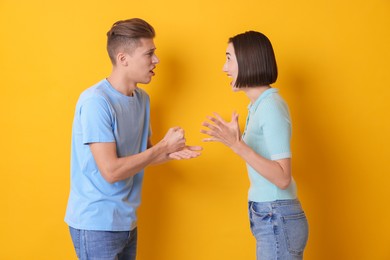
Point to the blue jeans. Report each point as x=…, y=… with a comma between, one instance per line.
x=280, y=228
x=104, y=245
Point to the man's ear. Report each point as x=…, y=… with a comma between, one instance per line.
x=121, y=58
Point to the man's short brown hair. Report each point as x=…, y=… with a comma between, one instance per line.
x=125, y=35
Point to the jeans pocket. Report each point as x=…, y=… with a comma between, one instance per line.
x=260, y=219
x=262, y=213
x=296, y=232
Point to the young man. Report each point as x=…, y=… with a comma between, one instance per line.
x=111, y=147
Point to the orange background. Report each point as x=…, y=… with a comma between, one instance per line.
x=333, y=60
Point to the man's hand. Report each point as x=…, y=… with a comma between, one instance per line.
x=174, y=140
x=188, y=152
x=174, y=147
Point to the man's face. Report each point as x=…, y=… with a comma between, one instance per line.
x=141, y=62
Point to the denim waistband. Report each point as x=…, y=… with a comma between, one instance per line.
x=276, y=203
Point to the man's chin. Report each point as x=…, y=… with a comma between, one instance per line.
x=146, y=81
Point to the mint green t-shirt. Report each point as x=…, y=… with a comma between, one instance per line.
x=268, y=133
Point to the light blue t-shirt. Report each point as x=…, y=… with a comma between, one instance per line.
x=268, y=133
x=105, y=115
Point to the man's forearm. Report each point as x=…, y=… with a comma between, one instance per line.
x=115, y=169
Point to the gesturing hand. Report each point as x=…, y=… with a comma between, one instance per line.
x=188, y=152
x=174, y=140
x=227, y=133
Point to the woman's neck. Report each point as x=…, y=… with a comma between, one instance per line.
x=253, y=93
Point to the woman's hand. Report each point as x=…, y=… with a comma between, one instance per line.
x=227, y=133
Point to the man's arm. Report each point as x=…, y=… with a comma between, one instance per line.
x=115, y=169
x=188, y=152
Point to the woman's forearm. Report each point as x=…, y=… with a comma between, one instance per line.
x=278, y=172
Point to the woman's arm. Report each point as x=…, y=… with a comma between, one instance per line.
x=278, y=171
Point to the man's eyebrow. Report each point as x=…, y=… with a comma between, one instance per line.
x=227, y=54
x=150, y=50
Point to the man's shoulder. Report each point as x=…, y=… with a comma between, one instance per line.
x=94, y=95
x=96, y=91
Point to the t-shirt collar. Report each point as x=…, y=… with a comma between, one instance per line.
x=253, y=107
x=119, y=94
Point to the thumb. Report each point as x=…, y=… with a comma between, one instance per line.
x=235, y=117
x=195, y=148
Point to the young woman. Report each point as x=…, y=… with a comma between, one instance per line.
x=277, y=220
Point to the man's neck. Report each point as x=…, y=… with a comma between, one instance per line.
x=119, y=83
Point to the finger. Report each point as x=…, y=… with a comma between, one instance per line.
x=235, y=116
x=193, y=155
x=180, y=146
x=218, y=120
x=213, y=119
x=206, y=123
x=186, y=154
x=179, y=134
x=171, y=131
x=209, y=132
x=174, y=129
x=190, y=154
x=203, y=131
x=211, y=126
x=180, y=130
x=174, y=156
x=210, y=139
x=180, y=156
x=194, y=148
x=219, y=117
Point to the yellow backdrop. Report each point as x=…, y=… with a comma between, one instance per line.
x=333, y=59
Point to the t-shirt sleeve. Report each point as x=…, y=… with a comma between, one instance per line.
x=277, y=131
x=97, y=121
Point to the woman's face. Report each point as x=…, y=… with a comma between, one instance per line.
x=231, y=67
